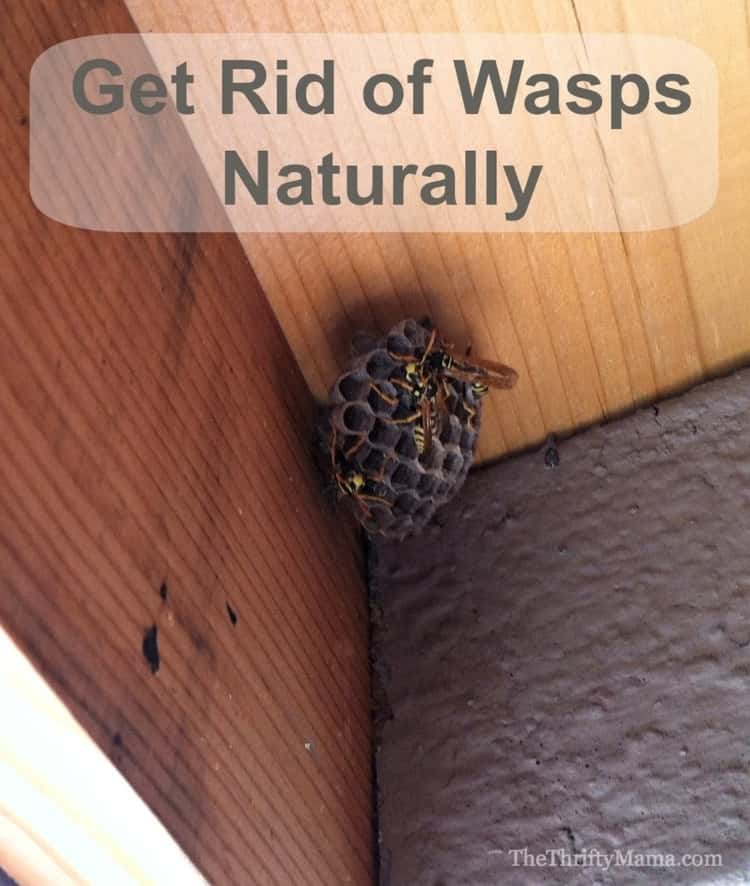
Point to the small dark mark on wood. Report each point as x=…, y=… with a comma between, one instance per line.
x=200, y=642
x=151, y=648
x=117, y=740
x=232, y=614
x=552, y=456
x=23, y=120
x=163, y=591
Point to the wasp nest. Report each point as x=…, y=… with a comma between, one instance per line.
x=394, y=477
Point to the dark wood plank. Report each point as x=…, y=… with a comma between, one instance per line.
x=156, y=435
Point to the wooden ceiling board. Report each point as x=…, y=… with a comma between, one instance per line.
x=595, y=323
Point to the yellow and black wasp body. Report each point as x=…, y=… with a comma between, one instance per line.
x=419, y=387
x=352, y=480
x=434, y=377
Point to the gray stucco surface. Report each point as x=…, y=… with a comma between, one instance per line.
x=566, y=658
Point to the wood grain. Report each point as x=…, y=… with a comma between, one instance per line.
x=77, y=823
x=155, y=462
x=595, y=323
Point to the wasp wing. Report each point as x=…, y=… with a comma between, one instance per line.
x=494, y=375
x=441, y=405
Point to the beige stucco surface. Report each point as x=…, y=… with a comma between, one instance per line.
x=567, y=658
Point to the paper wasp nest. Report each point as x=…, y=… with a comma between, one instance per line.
x=399, y=489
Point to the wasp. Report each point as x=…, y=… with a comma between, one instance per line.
x=352, y=481
x=423, y=395
x=424, y=420
x=427, y=377
x=480, y=374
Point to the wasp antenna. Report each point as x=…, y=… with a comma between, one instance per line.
x=429, y=346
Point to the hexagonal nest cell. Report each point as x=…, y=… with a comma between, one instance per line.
x=372, y=428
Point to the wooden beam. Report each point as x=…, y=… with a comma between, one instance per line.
x=80, y=822
x=595, y=323
x=167, y=560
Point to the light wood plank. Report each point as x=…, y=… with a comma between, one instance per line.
x=77, y=823
x=595, y=323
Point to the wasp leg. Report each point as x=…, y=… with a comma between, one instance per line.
x=390, y=460
x=408, y=419
x=391, y=401
x=357, y=446
x=470, y=413
x=401, y=383
x=430, y=345
x=333, y=447
x=341, y=488
x=401, y=358
x=417, y=358
x=374, y=498
x=362, y=501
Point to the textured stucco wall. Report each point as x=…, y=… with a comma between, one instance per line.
x=566, y=658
